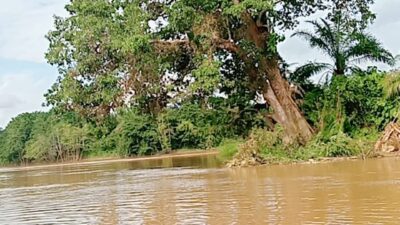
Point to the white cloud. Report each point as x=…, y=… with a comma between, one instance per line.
x=387, y=26
x=8, y=101
x=21, y=93
x=23, y=25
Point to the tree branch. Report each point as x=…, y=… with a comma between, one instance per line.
x=163, y=46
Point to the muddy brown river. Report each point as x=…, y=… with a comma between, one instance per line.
x=198, y=190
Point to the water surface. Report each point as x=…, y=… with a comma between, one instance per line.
x=198, y=190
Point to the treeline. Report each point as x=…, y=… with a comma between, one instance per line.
x=49, y=136
x=356, y=107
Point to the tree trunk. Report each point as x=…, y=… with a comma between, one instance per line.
x=276, y=90
x=286, y=112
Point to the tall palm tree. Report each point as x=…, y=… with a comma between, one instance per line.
x=346, y=49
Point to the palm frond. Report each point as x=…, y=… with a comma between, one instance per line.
x=396, y=59
x=326, y=31
x=344, y=46
x=303, y=73
x=355, y=69
x=314, y=41
x=368, y=48
x=391, y=85
x=324, y=37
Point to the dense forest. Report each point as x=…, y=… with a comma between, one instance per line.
x=142, y=77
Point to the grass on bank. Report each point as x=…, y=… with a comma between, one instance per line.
x=228, y=148
x=270, y=147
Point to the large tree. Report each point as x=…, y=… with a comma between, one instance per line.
x=145, y=52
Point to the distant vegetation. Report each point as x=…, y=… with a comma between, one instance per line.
x=148, y=77
x=54, y=137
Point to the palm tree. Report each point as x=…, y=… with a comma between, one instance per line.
x=346, y=49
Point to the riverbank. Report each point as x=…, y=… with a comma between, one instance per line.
x=269, y=147
x=257, y=160
x=250, y=159
x=102, y=160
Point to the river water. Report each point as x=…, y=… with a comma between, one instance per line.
x=198, y=190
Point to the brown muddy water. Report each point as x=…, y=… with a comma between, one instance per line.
x=198, y=190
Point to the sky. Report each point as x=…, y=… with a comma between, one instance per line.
x=25, y=76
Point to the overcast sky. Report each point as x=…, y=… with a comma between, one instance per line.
x=25, y=76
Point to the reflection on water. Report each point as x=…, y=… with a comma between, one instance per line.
x=197, y=190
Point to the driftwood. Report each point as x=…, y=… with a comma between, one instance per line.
x=390, y=140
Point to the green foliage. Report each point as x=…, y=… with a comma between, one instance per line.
x=182, y=17
x=187, y=127
x=270, y=146
x=256, y=5
x=339, y=145
x=228, y=148
x=207, y=77
x=60, y=141
x=348, y=114
x=43, y=137
x=14, y=138
x=112, y=54
x=136, y=134
x=142, y=77
x=302, y=74
x=266, y=144
x=391, y=85
x=94, y=50
x=350, y=103
x=194, y=127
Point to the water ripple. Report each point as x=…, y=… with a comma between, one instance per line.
x=126, y=194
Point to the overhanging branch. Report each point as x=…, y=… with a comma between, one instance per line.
x=168, y=46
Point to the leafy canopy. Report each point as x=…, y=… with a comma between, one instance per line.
x=113, y=54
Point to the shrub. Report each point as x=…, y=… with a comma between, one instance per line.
x=228, y=148
x=262, y=146
x=269, y=145
x=136, y=134
x=352, y=102
x=15, y=137
x=60, y=141
x=191, y=126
